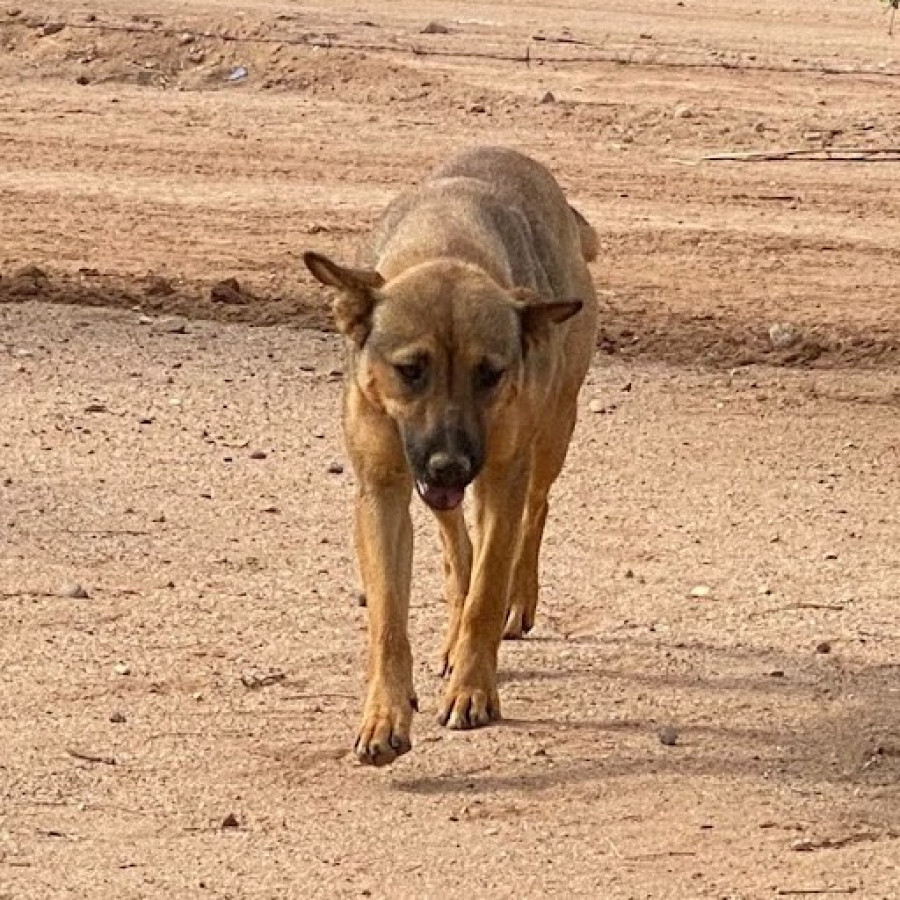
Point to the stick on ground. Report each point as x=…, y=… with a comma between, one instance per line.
x=833, y=154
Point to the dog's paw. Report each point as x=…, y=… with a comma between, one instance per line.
x=384, y=733
x=518, y=622
x=448, y=649
x=470, y=700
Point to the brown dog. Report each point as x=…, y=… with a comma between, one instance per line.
x=470, y=333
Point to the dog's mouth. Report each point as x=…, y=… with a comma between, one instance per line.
x=440, y=498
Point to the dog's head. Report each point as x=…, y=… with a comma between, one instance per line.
x=441, y=349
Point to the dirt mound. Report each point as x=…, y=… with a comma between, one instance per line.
x=627, y=331
x=225, y=300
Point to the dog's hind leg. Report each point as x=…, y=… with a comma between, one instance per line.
x=547, y=459
x=457, y=550
x=471, y=698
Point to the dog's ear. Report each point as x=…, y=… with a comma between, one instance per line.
x=358, y=288
x=539, y=315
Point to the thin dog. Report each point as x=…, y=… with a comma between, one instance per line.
x=470, y=328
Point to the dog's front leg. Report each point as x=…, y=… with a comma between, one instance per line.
x=457, y=552
x=384, y=543
x=471, y=697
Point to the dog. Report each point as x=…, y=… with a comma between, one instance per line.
x=470, y=325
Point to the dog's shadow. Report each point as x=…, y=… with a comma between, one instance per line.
x=820, y=728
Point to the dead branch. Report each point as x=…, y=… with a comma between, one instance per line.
x=800, y=892
x=828, y=607
x=831, y=154
x=91, y=757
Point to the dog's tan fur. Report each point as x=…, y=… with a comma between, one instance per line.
x=482, y=265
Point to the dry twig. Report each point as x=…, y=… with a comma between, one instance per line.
x=804, y=154
x=800, y=892
x=828, y=607
x=91, y=757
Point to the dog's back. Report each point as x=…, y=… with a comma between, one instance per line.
x=495, y=208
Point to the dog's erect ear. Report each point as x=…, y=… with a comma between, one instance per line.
x=539, y=315
x=353, y=307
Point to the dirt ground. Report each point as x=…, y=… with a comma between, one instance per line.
x=723, y=557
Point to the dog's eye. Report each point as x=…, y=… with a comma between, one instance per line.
x=487, y=376
x=413, y=373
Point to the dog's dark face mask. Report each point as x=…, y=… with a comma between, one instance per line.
x=443, y=397
x=441, y=350
x=445, y=459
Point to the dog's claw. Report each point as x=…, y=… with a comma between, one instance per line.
x=518, y=624
x=381, y=751
x=464, y=708
x=384, y=734
x=446, y=668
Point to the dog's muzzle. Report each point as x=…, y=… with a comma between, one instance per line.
x=442, y=484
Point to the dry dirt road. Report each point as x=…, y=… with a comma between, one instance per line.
x=184, y=729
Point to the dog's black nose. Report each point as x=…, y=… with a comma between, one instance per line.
x=449, y=470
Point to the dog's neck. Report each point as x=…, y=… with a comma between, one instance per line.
x=396, y=260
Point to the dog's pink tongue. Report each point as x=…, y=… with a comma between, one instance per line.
x=440, y=498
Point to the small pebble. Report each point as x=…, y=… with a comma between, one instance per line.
x=256, y=680
x=361, y=599
x=73, y=590
x=228, y=290
x=823, y=647
x=230, y=821
x=435, y=28
x=117, y=717
x=335, y=468
x=702, y=590
x=668, y=735
x=802, y=846
x=783, y=335
x=258, y=454
x=122, y=669
x=596, y=406
x=549, y=97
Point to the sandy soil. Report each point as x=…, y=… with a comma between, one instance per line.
x=184, y=730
